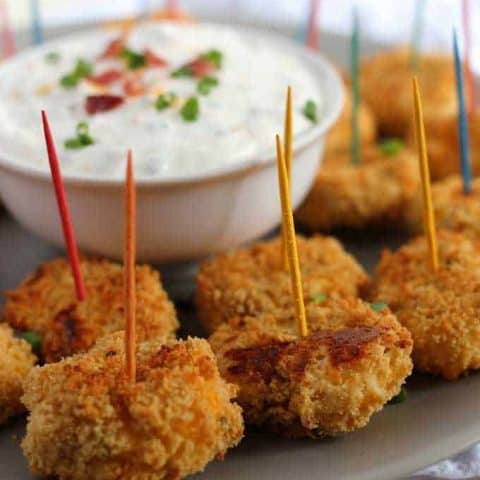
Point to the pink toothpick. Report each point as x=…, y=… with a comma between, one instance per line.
x=7, y=35
x=312, y=32
x=468, y=65
x=68, y=233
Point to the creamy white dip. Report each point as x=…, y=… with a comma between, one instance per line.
x=237, y=119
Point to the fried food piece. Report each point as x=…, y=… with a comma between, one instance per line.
x=373, y=193
x=351, y=363
x=16, y=360
x=439, y=308
x=338, y=139
x=46, y=303
x=443, y=144
x=453, y=209
x=254, y=280
x=87, y=420
x=386, y=86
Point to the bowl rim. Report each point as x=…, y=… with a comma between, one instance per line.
x=315, y=62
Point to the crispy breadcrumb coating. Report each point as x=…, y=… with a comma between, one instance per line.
x=338, y=139
x=16, y=360
x=439, y=308
x=374, y=193
x=443, y=144
x=253, y=280
x=87, y=420
x=351, y=363
x=386, y=86
x=453, y=209
x=46, y=303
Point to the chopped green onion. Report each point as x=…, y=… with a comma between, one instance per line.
x=52, y=57
x=184, y=71
x=310, y=111
x=378, y=306
x=206, y=84
x=391, y=146
x=33, y=339
x=83, y=138
x=82, y=69
x=190, y=110
x=213, y=56
x=400, y=398
x=133, y=59
x=165, y=100
x=319, y=297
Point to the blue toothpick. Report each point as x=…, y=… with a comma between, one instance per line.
x=462, y=121
x=36, y=22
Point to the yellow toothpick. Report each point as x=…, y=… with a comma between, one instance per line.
x=291, y=242
x=428, y=215
x=288, y=131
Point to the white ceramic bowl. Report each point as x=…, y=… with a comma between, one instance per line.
x=177, y=219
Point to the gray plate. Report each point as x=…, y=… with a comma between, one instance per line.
x=438, y=420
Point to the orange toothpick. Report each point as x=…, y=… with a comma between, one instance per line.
x=68, y=233
x=428, y=214
x=291, y=242
x=129, y=270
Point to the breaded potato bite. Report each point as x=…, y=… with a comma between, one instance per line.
x=373, y=193
x=16, y=360
x=338, y=139
x=253, y=280
x=443, y=144
x=332, y=381
x=46, y=303
x=441, y=309
x=453, y=209
x=386, y=86
x=87, y=420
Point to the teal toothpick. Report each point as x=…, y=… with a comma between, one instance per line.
x=354, y=72
x=462, y=121
x=37, y=31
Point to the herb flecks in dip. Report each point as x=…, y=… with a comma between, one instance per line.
x=223, y=106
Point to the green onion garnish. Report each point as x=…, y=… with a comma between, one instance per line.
x=190, y=110
x=133, y=59
x=310, y=111
x=165, y=100
x=400, y=398
x=319, y=297
x=184, y=71
x=52, y=57
x=378, y=306
x=213, y=56
x=391, y=146
x=206, y=84
x=33, y=339
x=82, y=69
x=83, y=138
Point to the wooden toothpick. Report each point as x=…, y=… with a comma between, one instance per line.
x=428, y=214
x=129, y=270
x=291, y=242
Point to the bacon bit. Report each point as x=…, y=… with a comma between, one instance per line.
x=113, y=49
x=133, y=86
x=102, y=103
x=106, y=78
x=153, y=60
x=201, y=67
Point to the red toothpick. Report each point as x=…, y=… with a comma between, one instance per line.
x=172, y=5
x=7, y=36
x=129, y=269
x=312, y=32
x=68, y=233
x=468, y=64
